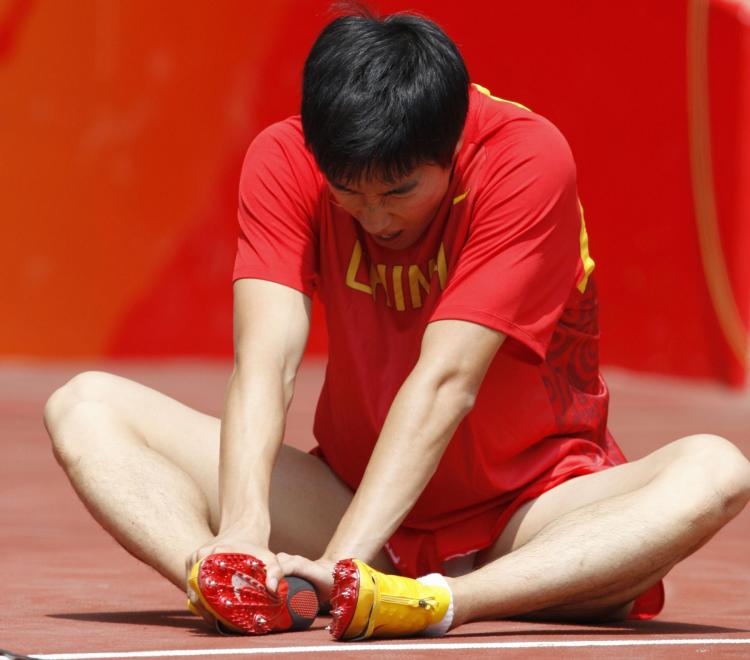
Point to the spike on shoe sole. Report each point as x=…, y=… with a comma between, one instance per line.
x=229, y=591
x=349, y=613
x=367, y=603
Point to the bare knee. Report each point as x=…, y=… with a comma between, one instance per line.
x=716, y=471
x=89, y=386
x=73, y=410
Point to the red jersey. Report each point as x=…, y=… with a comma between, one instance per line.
x=507, y=249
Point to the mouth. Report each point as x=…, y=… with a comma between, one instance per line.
x=388, y=237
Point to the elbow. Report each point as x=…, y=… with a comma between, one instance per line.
x=278, y=378
x=452, y=387
x=457, y=393
x=465, y=399
x=289, y=378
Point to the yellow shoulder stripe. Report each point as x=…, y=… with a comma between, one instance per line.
x=487, y=92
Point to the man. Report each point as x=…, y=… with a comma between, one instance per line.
x=462, y=423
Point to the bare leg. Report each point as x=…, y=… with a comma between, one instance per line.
x=146, y=467
x=587, y=548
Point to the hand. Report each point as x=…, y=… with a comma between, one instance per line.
x=235, y=541
x=319, y=572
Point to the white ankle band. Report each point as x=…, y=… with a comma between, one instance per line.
x=441, y=627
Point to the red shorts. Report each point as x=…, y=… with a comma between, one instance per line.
x=416, y=552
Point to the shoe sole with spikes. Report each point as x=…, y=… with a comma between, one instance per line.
x=228, y=590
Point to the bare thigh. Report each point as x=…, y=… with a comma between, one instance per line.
x=307, y=499
x=575, y=493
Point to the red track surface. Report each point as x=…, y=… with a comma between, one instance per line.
x=68, y=588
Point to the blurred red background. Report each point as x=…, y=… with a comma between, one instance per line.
x=123, y=124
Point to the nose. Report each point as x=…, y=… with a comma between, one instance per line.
x=374, y=218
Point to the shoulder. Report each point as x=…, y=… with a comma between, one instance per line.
x=278, y=161
x=511, y=142
x=279, y=177
x=282, y=140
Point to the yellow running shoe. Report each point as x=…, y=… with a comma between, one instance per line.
x=367, y=603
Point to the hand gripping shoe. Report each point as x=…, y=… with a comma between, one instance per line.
x=229, y=590
x=366, y=603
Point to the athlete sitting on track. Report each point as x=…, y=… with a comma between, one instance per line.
x=462, y=423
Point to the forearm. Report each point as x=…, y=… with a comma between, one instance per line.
x=252, y=430
x=420, y=423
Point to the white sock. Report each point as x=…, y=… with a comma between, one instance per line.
x=441, y=627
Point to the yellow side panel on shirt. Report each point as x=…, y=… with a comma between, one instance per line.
x=586, y=260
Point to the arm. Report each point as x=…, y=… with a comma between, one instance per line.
x=431, y=403
x=271, y=324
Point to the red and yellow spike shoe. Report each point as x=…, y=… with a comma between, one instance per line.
x=229, y=591
x=367, y=603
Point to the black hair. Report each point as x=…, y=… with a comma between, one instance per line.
x=382, y=96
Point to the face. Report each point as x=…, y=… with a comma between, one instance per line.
x=395, y=214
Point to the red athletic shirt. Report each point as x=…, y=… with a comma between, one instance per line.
x=508, y=250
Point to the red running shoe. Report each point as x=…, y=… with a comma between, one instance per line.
x=229, y=590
